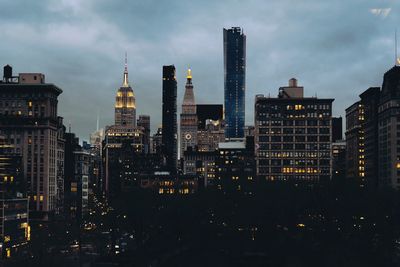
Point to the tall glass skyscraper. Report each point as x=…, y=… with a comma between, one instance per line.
x=234, y=81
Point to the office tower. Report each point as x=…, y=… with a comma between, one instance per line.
x=293, y=136
x=388, y=130
x=235, y=166
x=337, y=129
x=355, y=138
x=169, y=124
x=234, y=81
x=125, y=102
x=144, y=121
x=206, y=112
x=29, y=121
x=188, y=125
x=14, y=224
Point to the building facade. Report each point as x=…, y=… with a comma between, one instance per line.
x=144, y=122
x=355, y=142
x=28, y=119
x=234, y=81
x=293, y=136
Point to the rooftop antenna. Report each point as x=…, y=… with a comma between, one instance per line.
x=69, y=126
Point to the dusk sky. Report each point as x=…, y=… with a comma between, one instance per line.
x=336, y=49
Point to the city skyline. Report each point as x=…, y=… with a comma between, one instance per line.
x=84, y=56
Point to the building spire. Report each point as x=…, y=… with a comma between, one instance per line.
x=189, y=73
x=126, y=82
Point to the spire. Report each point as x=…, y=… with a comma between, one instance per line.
x=189, y=74
x=126, y=82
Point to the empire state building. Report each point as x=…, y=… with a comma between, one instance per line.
x=125, y=102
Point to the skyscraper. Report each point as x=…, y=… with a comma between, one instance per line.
x=125, y=103
x=169, y=123
x=234, y=81
x=188, y=117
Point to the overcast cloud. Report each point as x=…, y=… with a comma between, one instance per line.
x=336, y=49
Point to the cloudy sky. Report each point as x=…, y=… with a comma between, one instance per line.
x=336, y=49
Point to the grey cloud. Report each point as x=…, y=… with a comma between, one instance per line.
x=335, y=49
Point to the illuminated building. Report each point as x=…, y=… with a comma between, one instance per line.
x=165, y=183
x=188, y=131
x=205, y=112
x=14, y=224
x=144, y=122
x=28, y=119
x=293, y=136
x=339, y=160
x=235, y=166
x=125, y=103
x=355, y=138
x=156, y=142
x=209, y=137
x=201, y=164
x=169, y=123
x=370, y=101
x=121, y=144
x=234, y=81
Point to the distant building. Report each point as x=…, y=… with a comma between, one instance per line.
x=234, y=81
x=201, y=164
x=165, y=183
x=339, y=160
x=235, y=166
x=188, y=131
x=125, y=103
x=388, y=130
x=209, y=137
x=370, y=101
x=293, y=136
x=14, y=224
x=169, y=123
x=156, y=142
x=28, y=120
x=204, y=112
x=355, y=142
x=144, y=122
x=337, y=129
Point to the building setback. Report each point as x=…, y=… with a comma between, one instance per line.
x=28, y=120
x=293, y=136
x=169, y=123
x=234, y=81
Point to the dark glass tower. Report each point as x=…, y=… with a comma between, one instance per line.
x=234, y=81
x=169, y=124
